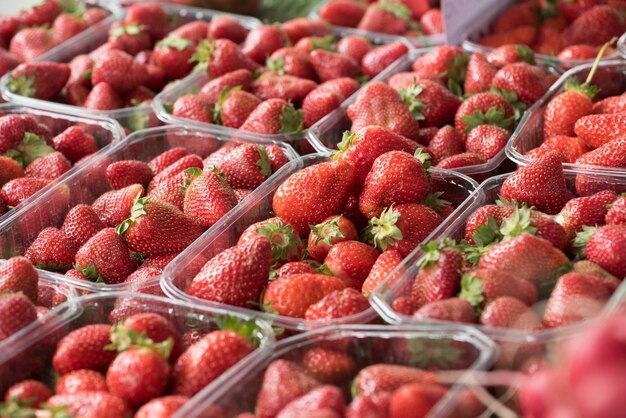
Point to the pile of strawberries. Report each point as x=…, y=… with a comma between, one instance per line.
x=462, y=109
x=258, y=87
x=42, y=26
x=539, y=242
x=411, y=18
x=569, y=30
x=154, y=211
x=143, y=364
x=31, y=156
x=143, y=54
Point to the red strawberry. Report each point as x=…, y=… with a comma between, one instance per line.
x=453, y=309
x=376, y=60
x=581, y=211
x=50, y=166
x=351, y=261
x=354, y=46
x=30, y=43
x=194, y=31
x=151, y=16
x=81, y=223
x=313, y=194
x=343, y=12
x=94, y=15
x=372, y=406
x=234, y=107
x=262, y=41
x=8, y=61
x=246, y=167
x=84, y=348
x=440, y=275
x=571, y=10
x=582, y=52
x=274, y=116
x=31, y=392
x=327, y=97
x=271, y=85
x=417, y=399
x=431, y=22
x=487, y=140
x=528, y=82
x=122, y=174
x=52, y=250
x=115, y=206
x=612, y=154
x=303, y=27
x=539, y=184
x=575, y=297
x=177, y=167
x=105, y=258
x=617, y=212
x=167, y=158
x=223, y=26
x=479, y=74
x=11, y=169
x=326, y=398
x=386, y=17
x=16, y=312
x=16, y=191
x=509, y=312
x=131, y=39
x=331, y=65
x=163, y=407
x=286, y=246
x=75, y=144
x=510, y=54
x=598, y=130
x=571, y=148
x=446, y=143
x=212, y=90
x=42, y=80
x=91, y=404
x=103, y=97
x=66, y=26
x=298, y=267
x=329, y=232
x=223, y=56
x=40, y=14
x=82, y=380
x=328, y=366
x=19, y=275
x=311, y=43
x=380, y=378
x=119, y=70
x=605, y=246
x=594, y=27
x=173, y=55
x=444, y=63
x=208, y=197
x=291, y=61
x=383, y=266
x=481, y=286
x=483, y=109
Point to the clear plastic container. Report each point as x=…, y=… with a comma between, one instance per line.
x=621, y=46
x=104, y=130
x=87, y=183
x=258, y=207
x=38, y=345
x=610, y=78
x=133, y=118
x=194, y=82
x=418, y=42
x=327, y=133
x=237, y=390
x=454, y=227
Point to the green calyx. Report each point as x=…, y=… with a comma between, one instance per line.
x=347, y=140
x=123, y=339
x=90, y=272
x=410, y=99
x=74, y=7
x=472, y=291
x=398, y=9
x=203, y=55
x=424, y=158
x=517, y=224
x=217, y=109
x=439, y=353
x=175, y=42
x=456, y=73
x=248, y=329
x=137, y=211
x=277, y=65
x=325, y=43
x=194, y=172
x=586, y=87
x=283, y=240
x=327, y=231
x=432, y=201
x=32, y=147
x=138, y=120
x=513, y=100
x=22, y=85
x=432, y=252
x=493, y=116
x=581, y=240
x=17, y=408
x=264, y=161
x=382, y=231
x=291, y=119
x=132, y=29
x=526, y=54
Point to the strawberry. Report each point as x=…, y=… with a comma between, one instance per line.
x=42, y=80
x=486, y=140
x=194, y=31
x=8, y=61
x=446, y=143
x=208, y=197
x=402, y=227
x=173, y=54
x=483, y=109
x=11, y=169
x=247, y=166
x=571, y=10
x=598, y=130
x=204, y=360
x=262, y=41
x=528, y=82
x=605, y=246
x=105, y=258
x=81, y=223
x=351, y=261
x=481, y=286
x=343, y=12
x=163, y=407
x=509, y=312
x=570, y=148
x=50, y=166
x=291, y=61
x=103, y=97
x=165, y=159
x=30, y=43
x=444, y=63
x=376, y=60
x=19, y=275
x=234, y=107
x=581, y=211
x=274, y=116
x=386, y=17
x=119, y=70
x=274, y=394
x=66, y=26
x=616, y=214
x=301, y=27
x=380, y=378
x=452, y=309
x=94, y=15
x=212, y=90
x=440, y=275
x=115, y=206
x=75, y=144
x=384, y=265
x=224, y=26
x=271, y=85
x=565, y=109
x=40, y=14
x=431, y=22
x=131, y=39
x=379, y=104
x=312, y=194
x=594, y=27
x=16, y=312
x=157, y=228
x=328, y=366
x=327, y=97
x=418, y=398
x=82, y=380
x=429, y=101
x=222, y=56
x=522, y=35
x=354, y=46
x=395, y=178
x=575, y=297
x=327, y=400
x=612, y=104
x=298, y=267
x=330, y=231
x=182, y=164
x=52, y=250
x=373, y=406
x=479, y=74
x=31, y=392
x=18, y=190
x=286, y=246
x=331, y=65
x=84, y=348
x=581, y=52
x=293, y=295
x=121, y=174
x=220, y=278
x=151, y=16
x=510, y=54
x=609, y=155
x=311, y=43
x=540, y=184
x=91, y=404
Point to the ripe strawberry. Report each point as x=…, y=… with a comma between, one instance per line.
x=182, y=164
x=30, y=43
x=131, y=39
x=19, y=275
x=115, y=206
x=605, y=246
x=582, y=52
x=18, y=190
x=11, y=169
x=173, y=55
x=379, y=104
x=327, y=401
x=376, y=60
x=223, y=26
x=204, y=361
x=293, y=295
x=41, y=80
x=81, y=223
x=212, y=90
x=612, y=154
x=16, y=312
x=75, y=144
x=105, y=258
x=521, y=35
x=479, y=74
x=337, y=304
x=612, y=104
x=274, y=395
x=327, y=97
x=575, y=297
x=380, y=378
x=446, y=143
x=78, y=381
x=571, y=10
x=440, y=275
x=220, y=278
x=274, y=116
x=598, y=130
x=246, y=167
x=121, y=174
x=262, y=41
x=343, y=12
x=402, y=227
x=194, y=31
x=311, y=43
x=312, y=194
x=8, y=61
x=207, y=198
x=594, y=27
x=482, y=286
x=329, y=232
x=40, y=14
x=444, y=63
x=616, y=214
x=94, y=15
x=84, y=348
x=234, y=107
x=386, y=17
x=384, y=265
x=328, y=366
x=509, y=312
x=119, y=70
x=452, y=309
x=351, y=261
x=415, y=398
x=581, y=211
x=167, y=158
x=354, y=46
x=539, y=184
x=431, y=22
x=223, y=56
x=91, y=404
x=487, y=140
x=528, y=82
x=301, y=27
x=50, y=166
x=103, y=97
x=571, y=148
x=66, y=26
x=429, y=101
x=163, y=407
x=31, y=392
x=52, y=250
x=271, y=85
x=291, y=61
x=331, y=65
x=151, y=16
x=510, y=54
x=483, y=109
x=374, y=406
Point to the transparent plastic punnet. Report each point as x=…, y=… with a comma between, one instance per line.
x=136, y=117
x=454, y=228
x=621, y=46
x=326, y=134
x=179, y=274
x=86, y=184
x=368, y=344
x=105, y=131
x=30, y=356
x=610, y=78
x=194, y=82
x=417, y=41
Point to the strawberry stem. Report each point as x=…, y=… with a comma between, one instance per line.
x=248, y=329
x=596, y=63
x=382, y=231
x=326, y=231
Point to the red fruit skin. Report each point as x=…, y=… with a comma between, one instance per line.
x=155, y=326
x=527, y=81
x=415, y=399
x=92, y=404
x=17, y=312
x=196, y=30
x=446, y=143
x=372, y=406
x=375, y=61
x=18, y=275
x=120, y=71
x=432, y=22
x=487, y=140
x=479, y=74
x=509, y=312
x=31, y=391
x=337, y=304
x=75, y=144
x=598, y=130
x=109, y=254
x=193, y=107
x=329, y=232
x=325, y=98
x=207, y=199
x=612, y=155
x=175, y=60
x=436, y=63
x=378, y=19
x=416, y=222
x=81, y=223
x=82, y=380
x=320, y=398
x=262, y=41
x=607, y=248
x=84, y=349
x=481, y=102
x=213, y=88
x=66, y=26
x=103, y=97
x=571, y=148
x=122, y=174
x=30, y=43
x=296, y=267
x=617, y=212
x=439, y=281
x=51, y=250
x=589, y=210
x=354, y=46
x=328, y=366
x=453, y=309
x=228, y=28
x=50, y=166
x=380, y=378
x=49, y=78
x=167, y=158
x=150, y=15
x=384, y=265
x=163, y=407
x=114, y=207
x=227, y=57
x=351, y=261
x=595, y=27
x=343, y=13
